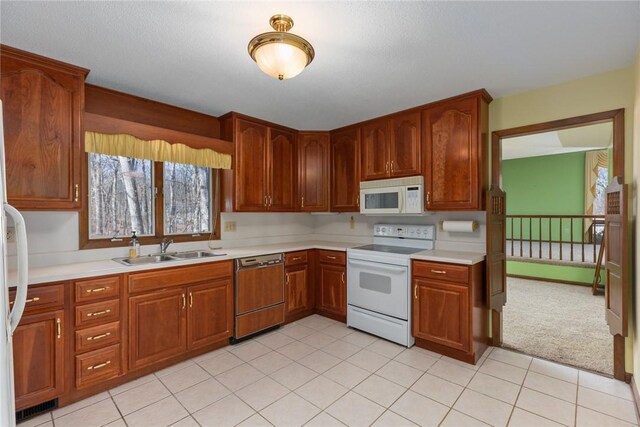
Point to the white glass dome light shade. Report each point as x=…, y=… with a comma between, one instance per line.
x=280, y=54
x=280, y=60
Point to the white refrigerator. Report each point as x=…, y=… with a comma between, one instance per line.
x=9, y=318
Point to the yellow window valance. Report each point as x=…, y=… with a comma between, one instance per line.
x=156, y=150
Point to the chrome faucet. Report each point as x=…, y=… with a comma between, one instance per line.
x=164, y=245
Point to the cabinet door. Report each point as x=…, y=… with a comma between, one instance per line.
x=404, y=145
x=250, y=166
x=157, y=327
x=441, y=313
x=375, y=150
x=41, y=106
x=333, y=289
x=450, y=141
x=282, y=170
x=296, y=289
x=210, y=313
x=313, y=172
x=38, y=358
x=345, y=171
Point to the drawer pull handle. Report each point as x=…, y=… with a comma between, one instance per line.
x=438, y=271
x=99, y=337
x=99, y=313
x=76, y=192
x=99, y=365
x=415, y=292
x=342, y=278
x=96, y=290
x=296, y=258
x=190, y=299
x=58, y=328
x=34, y=299
x=331, y=257
x=184, y=301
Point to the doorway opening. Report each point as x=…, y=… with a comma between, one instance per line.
x=555, y=175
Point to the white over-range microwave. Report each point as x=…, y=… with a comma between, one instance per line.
x=394, y=196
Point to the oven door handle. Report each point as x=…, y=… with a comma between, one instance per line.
x=377, y=266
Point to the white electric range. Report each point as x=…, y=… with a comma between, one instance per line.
x=379, y=280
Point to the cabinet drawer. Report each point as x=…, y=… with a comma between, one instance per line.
x=293, y=258
x=97, y=337
x=159, y=279
x=332, y=257
x=97, y=313
x=446, y=272
x=97, y=366
x=96, y=289
x=41, y=297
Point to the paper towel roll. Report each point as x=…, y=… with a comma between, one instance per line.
x=460, y=226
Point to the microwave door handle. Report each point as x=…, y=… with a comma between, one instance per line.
x=401, y=195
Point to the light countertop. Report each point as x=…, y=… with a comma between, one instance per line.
x=106, y=267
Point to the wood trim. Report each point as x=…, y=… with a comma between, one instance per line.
x=104, y=124
x=549, y=280
x=235, y=115
x=619, y=372
x=43, y=61
x=479, y=92
x=120, y=105
x=496, y=328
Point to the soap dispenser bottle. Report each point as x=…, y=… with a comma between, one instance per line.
x=134, y=246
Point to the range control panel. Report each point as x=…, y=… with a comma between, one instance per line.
x=425, y=232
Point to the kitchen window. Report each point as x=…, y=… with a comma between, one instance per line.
x=154, y=199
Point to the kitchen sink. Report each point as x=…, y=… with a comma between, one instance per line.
x=196, y=254
x=173, y=256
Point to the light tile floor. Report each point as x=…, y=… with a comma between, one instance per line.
x=317, y=372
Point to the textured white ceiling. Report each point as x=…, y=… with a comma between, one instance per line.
x=372, y=58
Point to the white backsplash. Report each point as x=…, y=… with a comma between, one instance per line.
x=53, y=237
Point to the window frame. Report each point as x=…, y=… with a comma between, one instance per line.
x=158, y=184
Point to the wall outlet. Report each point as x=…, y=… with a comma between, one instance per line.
x=11, y=234
x=230, y=226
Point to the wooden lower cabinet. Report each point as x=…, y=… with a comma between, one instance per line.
x=157, y=326
x=296, y=289
x=38, y=350
x=441, y=313
x=332, y=286
x=449, y=309
x=210, y=314
x=192, y=310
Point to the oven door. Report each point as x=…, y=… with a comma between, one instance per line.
x=379, y=287
x=387, y=200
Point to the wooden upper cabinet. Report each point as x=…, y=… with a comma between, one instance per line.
x=455, y=165
x=42, y=103
x=313, y=171
x=264, y=173
x=404, y=145
x=391, y=147
x=251, y=149
x=375, y=150
x=345, y=170
x=282, y=168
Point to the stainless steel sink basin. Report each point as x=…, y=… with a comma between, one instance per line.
x=196, y=254
x=151, y=259
x=173, y=256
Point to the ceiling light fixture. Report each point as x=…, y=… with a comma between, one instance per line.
x=280, y=54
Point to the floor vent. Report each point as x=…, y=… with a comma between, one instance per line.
x=36, y=410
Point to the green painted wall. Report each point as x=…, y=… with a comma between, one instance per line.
x=545, y=185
